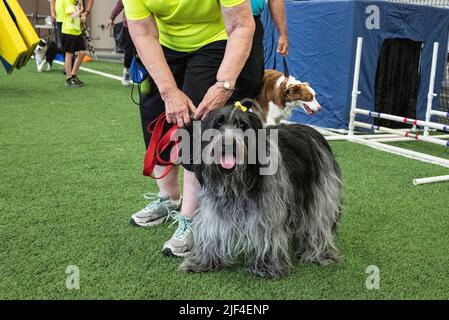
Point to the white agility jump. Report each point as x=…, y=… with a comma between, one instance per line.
x=384, y=134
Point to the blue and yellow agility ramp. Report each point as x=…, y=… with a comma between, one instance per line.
x=18, y=39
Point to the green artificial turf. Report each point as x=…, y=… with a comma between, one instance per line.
x=71, y=163
x=108, y=67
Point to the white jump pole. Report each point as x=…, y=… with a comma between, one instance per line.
x=439, y=113
x=431, y=94
x=379, y=135
x=336, y=138
x=397, y=139
x=355, y=85
x=388, y=135
x=417, y=182
x=441, y=136
x=440, y=142
x=325, y=132
x=391, y=117
x=401, y=152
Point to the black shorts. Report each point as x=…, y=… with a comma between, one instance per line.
x=72, y=43
x=195, y=72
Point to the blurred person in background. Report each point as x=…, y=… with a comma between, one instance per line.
x=88, y=4
x=255, y=66
x=56, y=17
x=57, y=14
x=73, y=40
x=125, y=40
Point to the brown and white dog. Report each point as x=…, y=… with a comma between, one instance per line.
x=279, y=95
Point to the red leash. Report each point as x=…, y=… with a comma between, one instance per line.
x=159, y=143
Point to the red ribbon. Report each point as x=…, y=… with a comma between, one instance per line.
x=158, y=144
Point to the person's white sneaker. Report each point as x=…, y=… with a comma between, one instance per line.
x=126, y=77
x=156, y=212
x=181, y=242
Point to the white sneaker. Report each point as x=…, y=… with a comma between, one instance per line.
x=157, y=211
x=126, y=77
x=181, y=242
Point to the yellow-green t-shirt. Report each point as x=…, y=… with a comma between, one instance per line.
x=184, y=25
x=70, y=25
x=59, y=11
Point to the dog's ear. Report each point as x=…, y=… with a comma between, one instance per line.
x=255, y=121
x=253, y=116
x=251, y=104
x=298, y=92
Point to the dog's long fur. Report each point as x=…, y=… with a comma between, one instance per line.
x=264, y=219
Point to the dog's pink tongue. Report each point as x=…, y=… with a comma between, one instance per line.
x=227, y=161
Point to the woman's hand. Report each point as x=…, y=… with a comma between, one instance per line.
x=177, y=107
x=216, y=97
x=84, y=15
x=145, y=37
x=283, y=45
x=78, y=10
x=110, y=24
x=240, y=26
x=277, y=12
x=52, y=11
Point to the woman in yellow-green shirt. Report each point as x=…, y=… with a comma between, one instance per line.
x=194, y=51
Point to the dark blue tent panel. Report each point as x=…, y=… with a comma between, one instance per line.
x=323, y=37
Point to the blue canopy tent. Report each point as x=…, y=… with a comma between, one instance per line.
x=323, y=37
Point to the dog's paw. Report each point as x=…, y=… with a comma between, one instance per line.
x=266, y=271
x=188, y=265
x=326, y=261
x=192, y=264
x=322, y=259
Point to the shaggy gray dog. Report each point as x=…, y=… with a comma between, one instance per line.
x=264, y=218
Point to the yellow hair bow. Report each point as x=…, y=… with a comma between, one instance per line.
x=239, y=105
